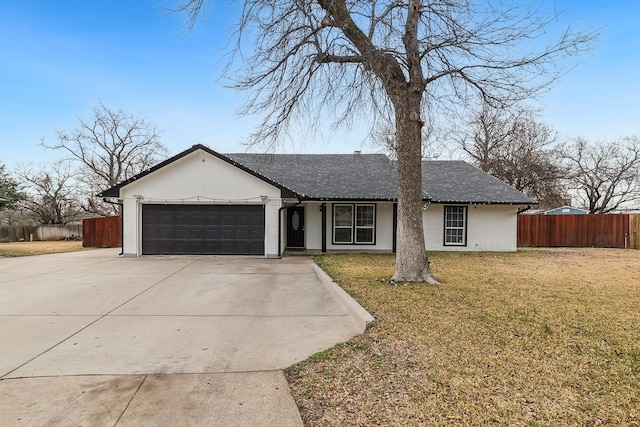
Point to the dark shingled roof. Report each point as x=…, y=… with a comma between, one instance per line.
x=455, y=181
x=373, y=176
x=327, y=176
x=359, y=177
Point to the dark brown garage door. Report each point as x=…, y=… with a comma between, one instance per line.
x=202, y=230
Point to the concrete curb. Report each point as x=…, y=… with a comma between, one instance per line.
x=358, y=314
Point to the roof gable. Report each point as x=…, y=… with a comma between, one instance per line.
x=115, y=190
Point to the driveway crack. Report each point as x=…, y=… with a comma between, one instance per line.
x=130, y=400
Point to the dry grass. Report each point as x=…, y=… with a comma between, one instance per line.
x=14, y=249
x=536, y=338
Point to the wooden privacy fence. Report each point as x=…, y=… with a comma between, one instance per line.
x=634, y=231
x=599, y=231
x=59, y=232
x=102, y=232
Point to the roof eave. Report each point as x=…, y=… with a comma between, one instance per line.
x=487, y=202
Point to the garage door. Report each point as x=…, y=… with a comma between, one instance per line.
x=203, y=230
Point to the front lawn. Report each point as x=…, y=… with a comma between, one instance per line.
x=534, y=338
x=13, y=249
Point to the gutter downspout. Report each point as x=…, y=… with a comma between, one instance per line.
x=104, y=199
x=323, y=208
x=290, y=205
x=394, y=244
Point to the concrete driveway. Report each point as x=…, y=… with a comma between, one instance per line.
x=89, y=338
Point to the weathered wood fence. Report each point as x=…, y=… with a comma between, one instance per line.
x=634, y=231
x=16, y=233
x=102, y=232
x=599, y=231
x=59, y=232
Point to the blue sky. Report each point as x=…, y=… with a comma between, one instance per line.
x=58, y=59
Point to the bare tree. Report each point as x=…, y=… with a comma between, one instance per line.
x=434, y=142
x=486, y=135
x=110, y=147
x=518, y=148
x=51, y=195
x=604, y=175
x=388, y=61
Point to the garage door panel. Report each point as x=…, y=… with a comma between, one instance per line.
x=203, y=229
x=160, y=233
x=228, y=220
x=244, y=234
x=164, y=246
x=228, y=233
x=210, y=233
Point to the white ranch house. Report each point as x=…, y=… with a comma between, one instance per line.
x=204, y=202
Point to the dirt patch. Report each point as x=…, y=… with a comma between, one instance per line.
x=538, y=337
x=14, y=249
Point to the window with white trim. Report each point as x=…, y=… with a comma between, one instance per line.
x=354, y=224
x=342, y=223
x=455, y=225
x=365, y=223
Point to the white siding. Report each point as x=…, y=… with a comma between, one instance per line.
x=489, y=228
x=198, y=178
x=271, y=228
x=313, y=225
x=313, y=228
x=130, y=228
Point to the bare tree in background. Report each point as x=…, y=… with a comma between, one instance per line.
x=604, y=175
x=388, y=61
x=519, y=149
x=51, y=196
x=486, y=135
x=434, y=141
x=109, y=148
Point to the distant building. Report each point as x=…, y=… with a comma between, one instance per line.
x=631, y=208
x=566, y=210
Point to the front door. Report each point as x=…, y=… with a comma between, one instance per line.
x=295, y=227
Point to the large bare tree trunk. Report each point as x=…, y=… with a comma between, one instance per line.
x=412, y=264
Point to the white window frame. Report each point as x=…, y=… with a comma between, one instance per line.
x=371, y=227
x=353, y=226
x=342, y=227
x=463, y=228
